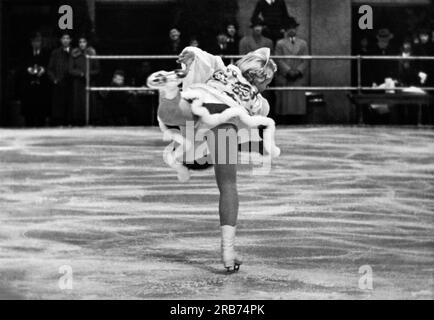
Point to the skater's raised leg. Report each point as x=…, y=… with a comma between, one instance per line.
x=172, y=110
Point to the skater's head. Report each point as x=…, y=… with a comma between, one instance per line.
x=65, y=39
x=174, y=34
x=36, y=41
x=119, y=78
x=258, y=68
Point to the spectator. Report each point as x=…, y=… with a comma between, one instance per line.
x=58, y=72
x=117, y=103
x=408, y=75
x=233, y=39
x=291, y=72
x=383, y=47
x=364, y=47
x=408, y=72
x=194, y=42
x=256, y=40
x=273, y=13
x=175, y=42
x=34, y=83
x=174, y=48
x=425, y=48
x=77, y=70
x=220, y=47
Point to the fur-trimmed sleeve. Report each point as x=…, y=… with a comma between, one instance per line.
x=202, y=68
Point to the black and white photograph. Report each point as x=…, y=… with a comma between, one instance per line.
x=221, y=153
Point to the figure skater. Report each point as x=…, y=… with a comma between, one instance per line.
x=216, y=98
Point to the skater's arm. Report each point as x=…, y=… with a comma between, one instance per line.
x=200, y=65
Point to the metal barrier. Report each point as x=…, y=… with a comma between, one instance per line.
x=359, y=59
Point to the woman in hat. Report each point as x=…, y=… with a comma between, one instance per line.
x=292, y=72
x=217, y=100
x=77, y=70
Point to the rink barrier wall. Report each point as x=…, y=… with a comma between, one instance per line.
x=358, y=58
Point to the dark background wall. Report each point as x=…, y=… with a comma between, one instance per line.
x=139, y=27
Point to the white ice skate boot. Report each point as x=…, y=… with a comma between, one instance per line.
x=230, y=259
x=166, y=81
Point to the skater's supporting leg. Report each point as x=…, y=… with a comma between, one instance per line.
x=227, y=183
x=226, y=176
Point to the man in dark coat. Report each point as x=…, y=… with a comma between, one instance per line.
x=233, y=38
x=58, y=72
x=117, y=104
x=34, y=84
x=77, y=70
x=173, y=48
x=273, y=13
x=221, y=46
x=382, y=69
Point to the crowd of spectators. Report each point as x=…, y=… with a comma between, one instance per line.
x=53, y=85
x=402, y=73
x=405, y=72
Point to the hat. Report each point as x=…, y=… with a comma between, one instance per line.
x=385, y=34
x=290, y=23
x=257, y=22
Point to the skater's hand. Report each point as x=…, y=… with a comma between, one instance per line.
x=187, y=58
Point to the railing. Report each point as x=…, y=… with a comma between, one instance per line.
x=359, y=59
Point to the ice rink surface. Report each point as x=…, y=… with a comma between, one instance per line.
x=103, y=203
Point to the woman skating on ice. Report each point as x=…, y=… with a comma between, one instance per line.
x=220, y=100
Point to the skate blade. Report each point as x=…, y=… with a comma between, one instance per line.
x=234, y=269
x=158, y=81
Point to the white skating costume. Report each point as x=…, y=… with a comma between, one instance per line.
x=209, y=81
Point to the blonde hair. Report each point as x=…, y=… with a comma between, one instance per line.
x=257, y=65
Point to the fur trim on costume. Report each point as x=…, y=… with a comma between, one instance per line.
x=179, y=146
x=214, y=120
